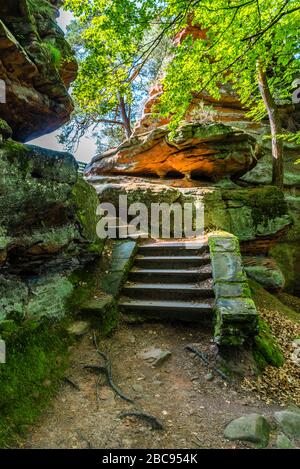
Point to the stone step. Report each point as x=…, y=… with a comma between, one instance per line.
x=183, y=310
x=173, y=249
x=170, y=275
x=170, y=262
x=169, y=291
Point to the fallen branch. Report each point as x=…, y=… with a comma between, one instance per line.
x=205, y=360
x=153, y=421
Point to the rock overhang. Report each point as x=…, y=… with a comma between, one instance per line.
x=37, y=66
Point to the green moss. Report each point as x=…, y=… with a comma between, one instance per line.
x=86, y=282
x=110, y=318
x=55, y=54
x=266, y=351
x=266, y=202
x=287, y=256
x=36, y=360
x=14, y=149
x=41, y=7
x=85, y=201
x=5, y=128
x=264, y=299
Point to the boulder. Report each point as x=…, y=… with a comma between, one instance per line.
x=253, y=428
x=78, y=328
x=47, y=212
x=37, y=66
x=265, y=271
x=156, y=356
x=289, y=422
x=283, y=442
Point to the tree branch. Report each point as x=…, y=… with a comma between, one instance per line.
x=275, y=20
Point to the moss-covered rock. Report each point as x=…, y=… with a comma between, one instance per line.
x=49, y=297
x=266, y=351
x=287, y=256
x=235, y=312
x=85, y=201
x=44, y=208
x=13, y=298
x=265, y=271
x=47, y=229
x=5, y=130
x=260, y=211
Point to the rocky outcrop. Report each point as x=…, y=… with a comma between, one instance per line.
x=286, y=252
x=211, y=150
x=47, y=212
x=227, y=109
x=47, y=229
x=37, y=67
x=258, y=216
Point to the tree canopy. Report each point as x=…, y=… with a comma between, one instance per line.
x=114, y=76
x=251, y=44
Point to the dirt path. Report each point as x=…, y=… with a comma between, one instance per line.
x=193, y=408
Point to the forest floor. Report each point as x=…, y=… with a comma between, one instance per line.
x=193, y=405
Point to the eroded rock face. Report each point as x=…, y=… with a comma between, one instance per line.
x=258, y=216
x=47, y=214
x=37, y=66
x=47, y=229
x=211, y=150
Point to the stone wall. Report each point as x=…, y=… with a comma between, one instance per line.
x=236, y=320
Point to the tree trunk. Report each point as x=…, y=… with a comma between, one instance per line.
x=125, y=117
x=276, y=128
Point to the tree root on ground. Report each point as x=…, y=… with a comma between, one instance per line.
x=205, y=360
x=106, y=369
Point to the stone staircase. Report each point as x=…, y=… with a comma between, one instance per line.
x=171, y=280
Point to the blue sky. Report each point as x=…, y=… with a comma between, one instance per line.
x=87, y=148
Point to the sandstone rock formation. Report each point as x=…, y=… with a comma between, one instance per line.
x=258, y=216
x=47, y=212
x=37, y=66
x=47, y=229
x=210, y=150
